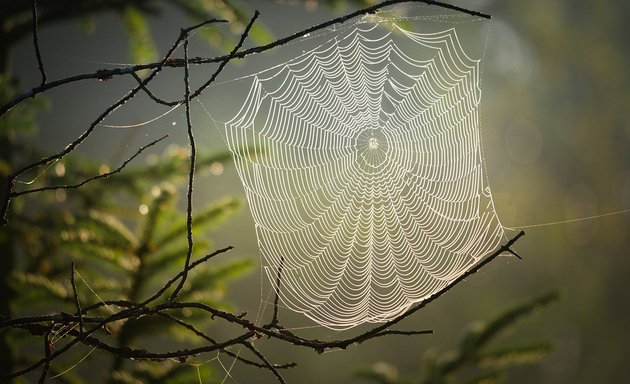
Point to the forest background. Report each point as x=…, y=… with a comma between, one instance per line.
x=554, y=112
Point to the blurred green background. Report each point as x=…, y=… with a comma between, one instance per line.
x=554, y=114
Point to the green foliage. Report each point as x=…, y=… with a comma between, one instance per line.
x=475, y=361
x=166, y=372
x=142, y=48
x=21, y=118
x=380, y=373
x=19, y=121
x=200, y=10
x=127, y=237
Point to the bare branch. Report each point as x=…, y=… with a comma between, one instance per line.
x=213, y=341
x=274, y=320
x=131, y=353
x=109, y=73
x=191, y=138
x=191, y=170
x=80, y=338
x=388, y=332
x=229, y=57
x=59, y=318
x=181, y=274
x=76, y=296
x=339, y=20
x=151, y=95
x=40, y=63
x=101, y=176
x=74, y=144
x=47, y=348
x=262, y=358
x=33, y=324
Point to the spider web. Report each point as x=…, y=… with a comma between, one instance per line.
x=362, y=164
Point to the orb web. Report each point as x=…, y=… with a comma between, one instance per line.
x=366, y=180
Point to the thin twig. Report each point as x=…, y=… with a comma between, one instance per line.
x=191, y=171
x=133, y=353
x=77, y=304
x=101, y=176
x=229, y=57
x=181, y=274
x=192, y=28
x=58, y=318
x=151, y=95
x=388, y=332
x=509, y=250
x=191, y=139
x=339, y=20
x=47, y=348
x=78, y=339
x=274, y=320
x=262, y=358
x=213, y=341
x=40, y=63
x=33, y=324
